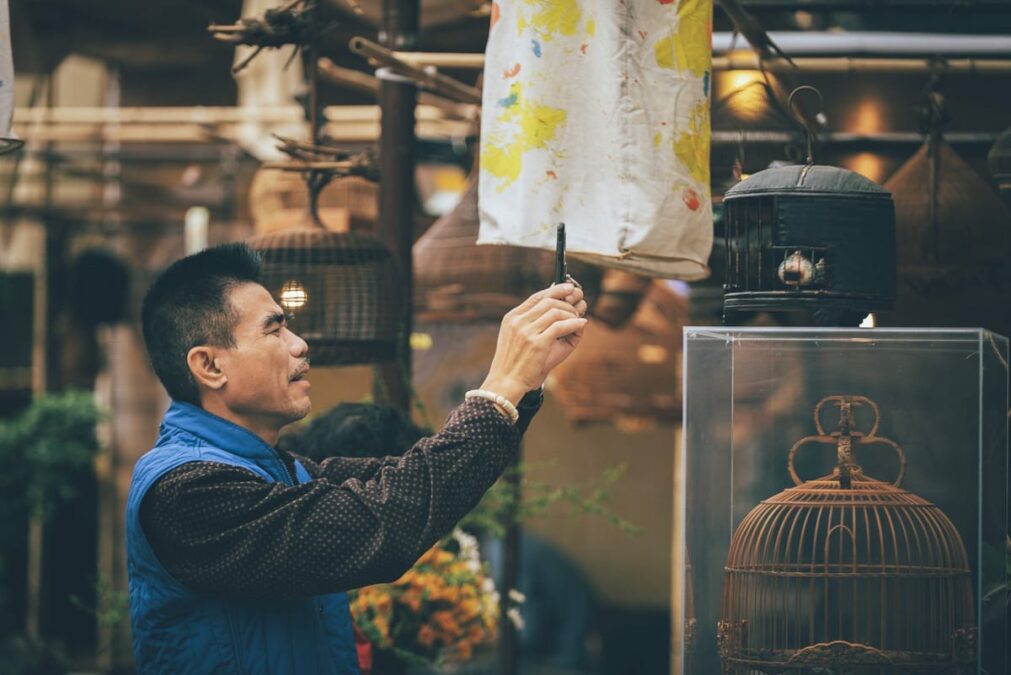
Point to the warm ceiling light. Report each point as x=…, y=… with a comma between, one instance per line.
x=867, y=118
x=868, y=165
x=744, y=91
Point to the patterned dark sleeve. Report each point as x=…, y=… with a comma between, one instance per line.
x=222, y=529
x=340, y=469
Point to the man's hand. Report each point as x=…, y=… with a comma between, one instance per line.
x=534, y=338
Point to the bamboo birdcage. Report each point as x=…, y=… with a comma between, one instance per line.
x=847, y=573
x=339, y=286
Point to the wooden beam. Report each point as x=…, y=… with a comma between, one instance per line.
x=398, y=101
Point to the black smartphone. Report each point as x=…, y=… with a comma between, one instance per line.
x=560, y=271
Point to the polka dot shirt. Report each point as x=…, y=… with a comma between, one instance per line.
x=221, y=529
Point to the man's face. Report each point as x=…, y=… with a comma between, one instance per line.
x=266, y=368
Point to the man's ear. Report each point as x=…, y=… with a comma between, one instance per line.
x=203, y=365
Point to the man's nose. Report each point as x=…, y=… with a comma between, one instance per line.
x=298, y=346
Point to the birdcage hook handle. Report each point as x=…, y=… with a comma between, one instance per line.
x=858, y=400
x=800, y=118
x=831, y=440
x=859, y=438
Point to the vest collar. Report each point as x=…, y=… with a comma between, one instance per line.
x=217, y=431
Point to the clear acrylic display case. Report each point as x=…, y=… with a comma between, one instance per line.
x=842, y=502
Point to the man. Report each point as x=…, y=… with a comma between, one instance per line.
x=238, y=553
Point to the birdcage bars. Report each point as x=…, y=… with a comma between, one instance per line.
x=846, y=573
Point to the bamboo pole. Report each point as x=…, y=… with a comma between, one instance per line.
x=356, y=79
x=847, y=64
x=137, y=125
x=749, y=61
x=437, y=82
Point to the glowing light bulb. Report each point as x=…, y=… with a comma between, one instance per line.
x=652, y=354
x=293, y=295
x=421, y=341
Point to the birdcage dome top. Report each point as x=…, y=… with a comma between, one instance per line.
x=318, y=246
x=913, y=536
x=807, y=179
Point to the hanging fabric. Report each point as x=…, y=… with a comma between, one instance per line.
x=8, y=141
x=596, y=114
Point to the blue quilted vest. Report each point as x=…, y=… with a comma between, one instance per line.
x=178, y=630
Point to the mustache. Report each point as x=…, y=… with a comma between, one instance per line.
x=301, y=370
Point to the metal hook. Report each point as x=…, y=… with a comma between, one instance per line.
x=800, y=118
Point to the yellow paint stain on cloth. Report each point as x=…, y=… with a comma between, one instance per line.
x=692, y=148
x=688, y=48
x=536, y=126
x=552, y=18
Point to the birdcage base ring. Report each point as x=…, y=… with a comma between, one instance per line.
x=803, y=300
x=844, y=656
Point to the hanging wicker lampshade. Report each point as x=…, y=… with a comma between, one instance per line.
x=278, y=200
x=340, y=287
x=953, y=237
x=999, y=160
x=630, y=375
x=847, y=573
x=620, y=295
x=455, y=280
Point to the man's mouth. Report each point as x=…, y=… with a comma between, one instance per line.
x=299, y=375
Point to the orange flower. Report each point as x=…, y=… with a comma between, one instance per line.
x=411, y=598
x=383, y=603
x=446, y=595
x=446, y=622
x=426, y=636
x=469, y=610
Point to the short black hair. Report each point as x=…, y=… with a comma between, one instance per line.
x=355, y=430
x=187, y=306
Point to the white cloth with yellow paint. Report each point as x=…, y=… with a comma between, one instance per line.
x=596, y=114
x=6, y=73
